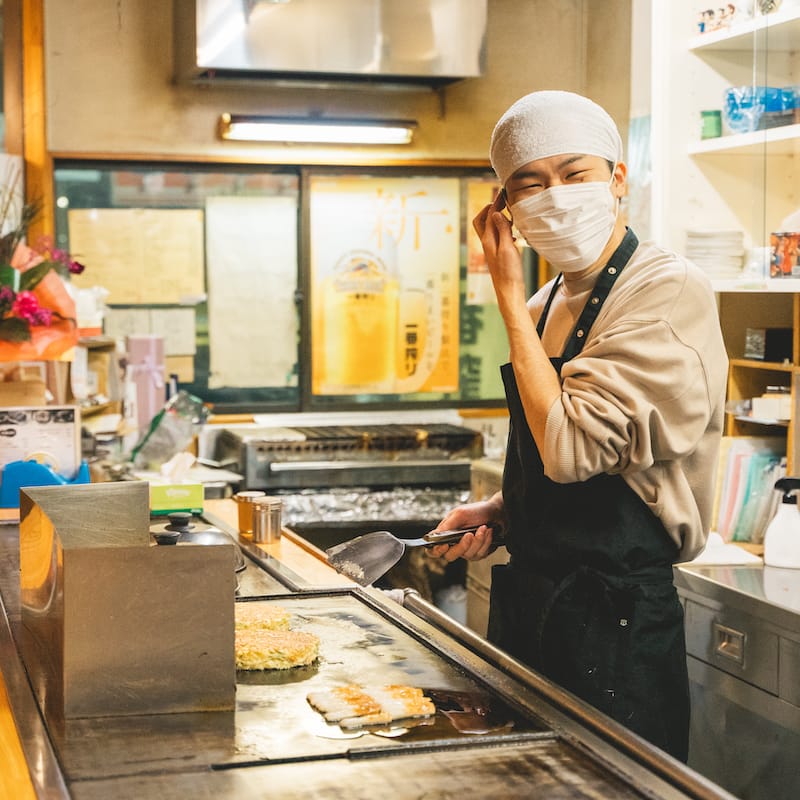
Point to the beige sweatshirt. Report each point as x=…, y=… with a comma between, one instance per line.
x=645, y=397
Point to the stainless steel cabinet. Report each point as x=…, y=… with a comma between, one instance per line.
x=744, y=672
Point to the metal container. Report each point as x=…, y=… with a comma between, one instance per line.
x=112, y=624
x=267, y=522
x=244, y=502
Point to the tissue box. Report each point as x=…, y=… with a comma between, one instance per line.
x=166, y=497
x=773, y=405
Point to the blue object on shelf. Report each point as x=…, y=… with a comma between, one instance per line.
x=18, y=475
x=745, y=105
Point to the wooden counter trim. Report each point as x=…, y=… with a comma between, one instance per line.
x=15, y=779
x=301, y=557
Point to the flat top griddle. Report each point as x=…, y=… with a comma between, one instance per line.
x=275, y=744
x=273, y=722
x=547, y=770
x=275, y=741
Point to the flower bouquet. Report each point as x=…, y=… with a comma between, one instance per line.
x=37, y=313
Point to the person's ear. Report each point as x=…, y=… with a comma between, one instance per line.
x=619, y=184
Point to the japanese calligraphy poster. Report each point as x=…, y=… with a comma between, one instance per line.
x=479, y=282
x=385, y=284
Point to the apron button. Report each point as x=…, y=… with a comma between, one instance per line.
x=595, y=301
x=579, y=333
x=612, y=270
x=623, y=623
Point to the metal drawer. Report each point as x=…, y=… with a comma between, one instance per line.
x=789, y=671
x=734, y=642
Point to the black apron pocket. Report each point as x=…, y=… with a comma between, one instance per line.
x=655, y=702
x=517, y=600
x=585, y=639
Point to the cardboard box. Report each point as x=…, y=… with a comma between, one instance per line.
x=772, y=405
x=23, y=383
x=166, y=497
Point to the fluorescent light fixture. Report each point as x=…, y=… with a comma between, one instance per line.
x=313, y=130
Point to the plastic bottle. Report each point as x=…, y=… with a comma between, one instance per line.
x=782, y=539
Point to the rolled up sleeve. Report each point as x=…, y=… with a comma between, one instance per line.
x=635, y=396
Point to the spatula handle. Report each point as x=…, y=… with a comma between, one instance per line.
x=448, y=537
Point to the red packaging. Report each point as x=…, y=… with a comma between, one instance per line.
x=784, y=259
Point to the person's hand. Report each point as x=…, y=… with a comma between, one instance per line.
x=502, y=256
x=472, y=546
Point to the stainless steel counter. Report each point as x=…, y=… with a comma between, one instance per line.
x=743, y=648
x=534, y=734
x=770, y=592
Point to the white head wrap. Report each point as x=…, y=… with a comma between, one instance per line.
x=551, y=123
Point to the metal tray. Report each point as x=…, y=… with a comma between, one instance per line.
x=361, y=641
x=546, y=770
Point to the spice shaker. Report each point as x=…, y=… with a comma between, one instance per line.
x=244, y=501
x=267, y=522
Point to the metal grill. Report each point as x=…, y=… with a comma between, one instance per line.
x=351, y=455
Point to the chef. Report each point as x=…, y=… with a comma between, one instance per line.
x=615, y=389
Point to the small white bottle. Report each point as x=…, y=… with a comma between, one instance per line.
x=782, y=539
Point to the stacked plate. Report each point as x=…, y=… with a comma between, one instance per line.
x=718, y=253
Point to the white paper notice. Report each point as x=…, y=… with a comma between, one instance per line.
x=251, y=261
x=141, y=255
x=176, y=325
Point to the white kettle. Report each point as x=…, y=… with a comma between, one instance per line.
x=782, y=539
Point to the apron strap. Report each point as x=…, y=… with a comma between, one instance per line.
x=546, y=311
x=602, y=288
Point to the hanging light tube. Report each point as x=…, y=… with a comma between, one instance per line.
x=312, y=130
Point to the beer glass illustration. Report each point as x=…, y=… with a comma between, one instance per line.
x=359, y=326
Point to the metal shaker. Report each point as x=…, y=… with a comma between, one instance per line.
x=267, y=519
x=244, y=502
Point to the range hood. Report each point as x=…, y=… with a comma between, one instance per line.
x=330, y=42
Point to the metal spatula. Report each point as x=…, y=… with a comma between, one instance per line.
x=366, y=558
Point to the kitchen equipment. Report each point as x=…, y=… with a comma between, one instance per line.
x=330, y=42
x=366, y=558
x=267, y=519
x=349, y=455
x=111, y=623
x=275, y=739
x=347, y=478
x=183, y=528
x=244, y=502
x=743, y=658
x=782, y=539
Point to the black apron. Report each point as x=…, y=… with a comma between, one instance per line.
x=587, y=598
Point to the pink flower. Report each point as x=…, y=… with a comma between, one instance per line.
x=61, y=256
x=43, y=316
x=26, y=306
x=75, y=267
x=6, y=296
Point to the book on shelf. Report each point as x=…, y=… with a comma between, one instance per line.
x=746, y=499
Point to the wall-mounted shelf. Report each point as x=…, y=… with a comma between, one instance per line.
x=764, y=285
x=772, y=423
x=781, y=141
x=782, y=27
x=773, y=366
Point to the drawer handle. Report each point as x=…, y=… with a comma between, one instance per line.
x=729, y=643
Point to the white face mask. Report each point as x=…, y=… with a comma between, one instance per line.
x=568, y=224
